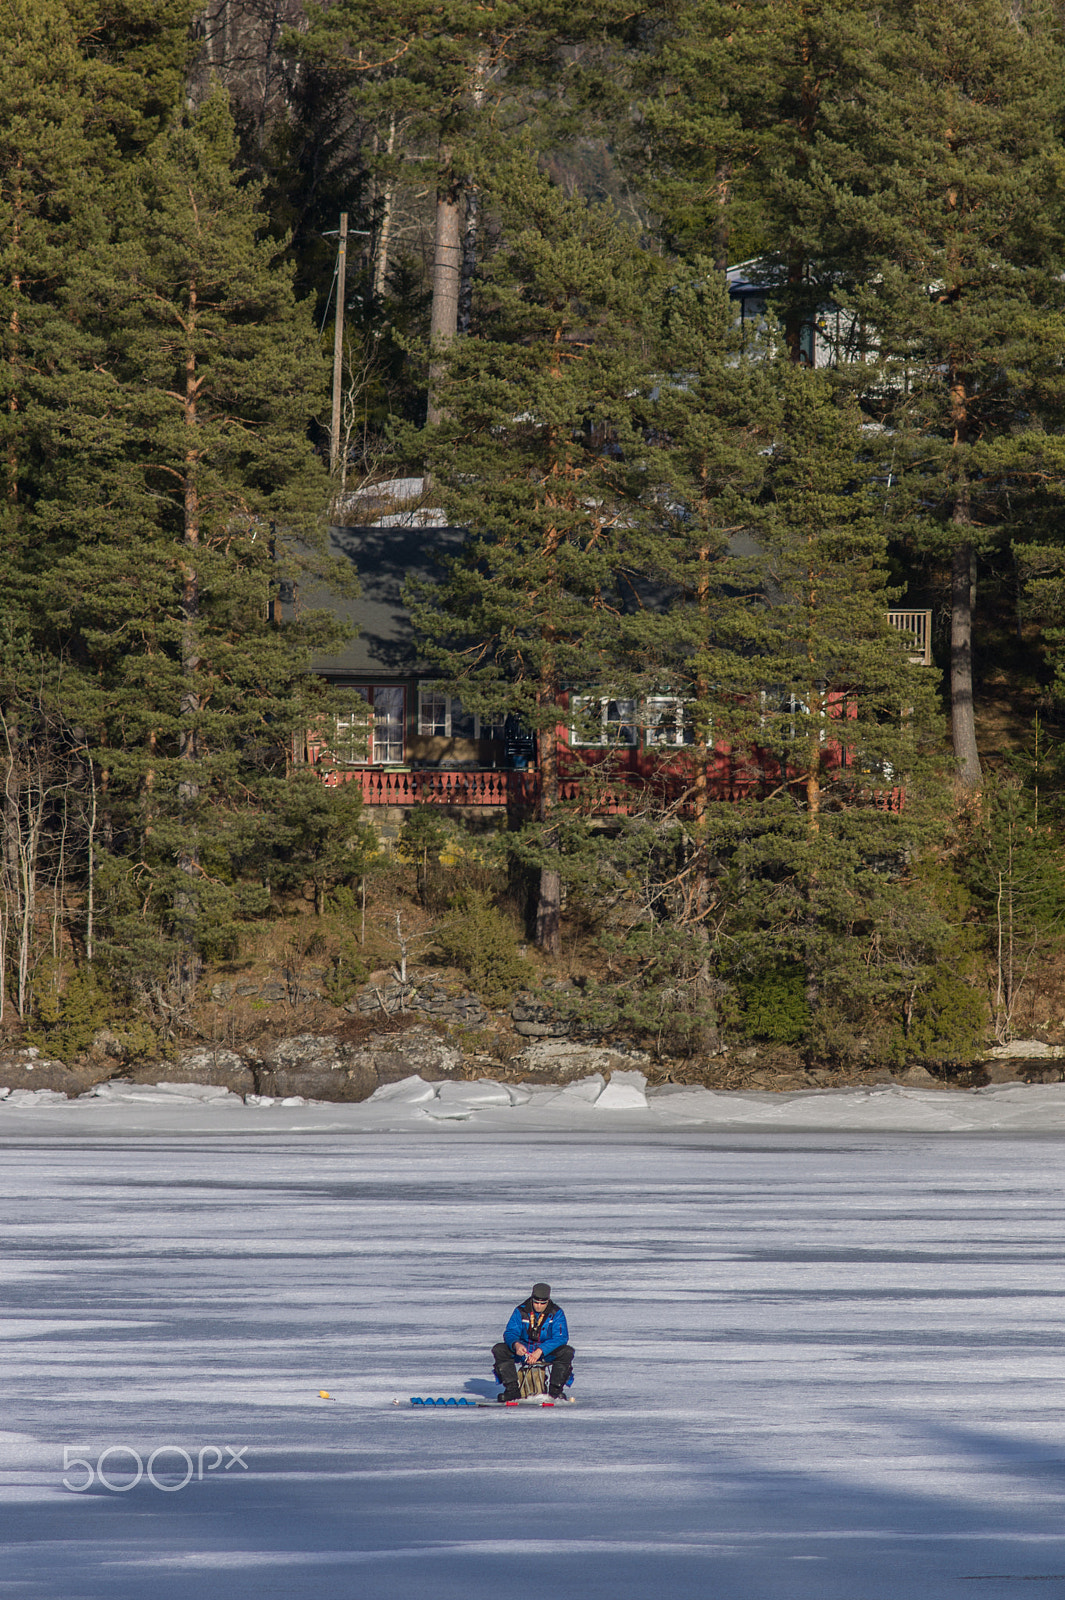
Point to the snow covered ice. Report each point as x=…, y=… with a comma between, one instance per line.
x=821, y=1344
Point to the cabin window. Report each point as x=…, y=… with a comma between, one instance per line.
x=490, y=727
x=387, y=706
x=350, y=732
x=667, y=720
x=468, y=725
x=442, y=716
x=597, y=722
x=434, y=714
x=372, y=729
x=785, y=713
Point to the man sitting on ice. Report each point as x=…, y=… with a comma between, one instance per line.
x=536, y=1335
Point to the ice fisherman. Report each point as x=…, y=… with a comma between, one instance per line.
x=536, y=1333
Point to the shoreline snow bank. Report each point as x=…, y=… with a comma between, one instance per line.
x=588, y=1105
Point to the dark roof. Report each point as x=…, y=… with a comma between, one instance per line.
x=384, y=559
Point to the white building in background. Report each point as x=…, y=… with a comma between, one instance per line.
x=831, y=337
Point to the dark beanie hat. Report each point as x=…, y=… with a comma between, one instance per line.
x=541, y=1291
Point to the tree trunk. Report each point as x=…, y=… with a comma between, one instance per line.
x=723, y=186
x=90, y=882
x=447, y=273
x=13, y=331
x=190, y=590
x=962, y=600
x=186, y=900
x=473, y=206
x=702, y=749
x=469, y=258
x=549, y=897
x=384, y=225
x=796, y=311
x=793, y=317
x=549, y=911
x=962, y=717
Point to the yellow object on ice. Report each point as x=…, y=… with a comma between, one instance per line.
x=323, y=1394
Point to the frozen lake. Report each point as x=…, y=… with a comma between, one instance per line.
x=811, y=1366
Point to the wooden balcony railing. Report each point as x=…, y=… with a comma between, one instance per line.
x=435, y=786
x=919, y=625
x=518, y=791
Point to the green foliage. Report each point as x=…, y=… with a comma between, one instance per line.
x=525, y=609
x=479, y=939
x=181, y=484
x=344, y=974
x=1014, y=862
x=1014, y=866
x=423, y=833
x=775, y=1006
x=69, y=1015
x=949, y=1018
x=661, y=990
x=540, y=453
x=343, y=903
x=835, y=734
x=69, y=1012
x=313, y=836
x=421, y=840
x=736, y=98
x=651, y=513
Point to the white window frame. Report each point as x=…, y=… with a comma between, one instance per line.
x=483, y=727
x=787, y=707
x=604, y=740
x=351, y=733
x=489, y=727
x=427, y=727
x=382, y=749
x=357, y=740
x=653, y=734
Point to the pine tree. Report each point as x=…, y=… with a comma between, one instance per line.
x=539, y=454
x=686, y=636
x=137, y=54
x=737, y=102
x=1012, y=860
x=439, y=84
x=944, y=199
x=840, y=744
x=50, y=171
x=46, y=162
x=782, y=881
x=422, y=76
x=181, y=500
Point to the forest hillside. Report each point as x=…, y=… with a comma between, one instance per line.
x=733, y=336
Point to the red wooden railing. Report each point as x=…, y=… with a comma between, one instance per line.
x=435, y=786
x=519, y=791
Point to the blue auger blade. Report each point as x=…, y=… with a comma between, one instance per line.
x=450, y=1400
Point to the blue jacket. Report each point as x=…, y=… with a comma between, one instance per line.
x=553, y=1331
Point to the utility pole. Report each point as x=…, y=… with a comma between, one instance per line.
x=338, y=342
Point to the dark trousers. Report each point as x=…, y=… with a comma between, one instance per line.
x=507, y=1366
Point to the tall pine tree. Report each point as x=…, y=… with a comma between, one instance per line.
x=943, y=201
x=186, y=496
x=539, y=454
x=840, y=744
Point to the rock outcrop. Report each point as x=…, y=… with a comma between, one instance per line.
x=561, y=1061
x=29, y=1069
x=426, y=999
